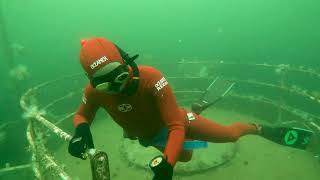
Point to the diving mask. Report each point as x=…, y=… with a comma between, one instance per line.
x=113, y=81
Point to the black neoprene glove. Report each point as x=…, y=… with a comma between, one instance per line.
x=161, y=168
x=81, y=141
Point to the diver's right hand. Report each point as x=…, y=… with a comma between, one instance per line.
x=81, y=141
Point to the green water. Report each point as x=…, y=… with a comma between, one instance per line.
x=44, y=36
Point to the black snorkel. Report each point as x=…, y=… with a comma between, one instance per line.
x=133, y=86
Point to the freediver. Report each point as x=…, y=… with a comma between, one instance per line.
x=141, y=101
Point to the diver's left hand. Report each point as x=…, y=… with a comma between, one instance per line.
x=81, y=141
x=161, y=168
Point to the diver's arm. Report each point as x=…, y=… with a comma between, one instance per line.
x=85, y=114
x=87, y=110
x=82, y=139
x=171, y=115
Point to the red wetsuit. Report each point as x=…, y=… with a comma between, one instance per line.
x=153, y=107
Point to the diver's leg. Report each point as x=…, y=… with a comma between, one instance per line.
x=185, y=155
x=205, y=130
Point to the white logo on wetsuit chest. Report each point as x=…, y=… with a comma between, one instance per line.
x=161, y=83
x=125, y=107
x=98, y=62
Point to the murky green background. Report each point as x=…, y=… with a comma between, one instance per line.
x=44, y=36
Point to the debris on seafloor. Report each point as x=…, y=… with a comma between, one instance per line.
x=32, y=112
x=18, y=49
x=281, y=69
x=20, y=72
x=316, y=94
